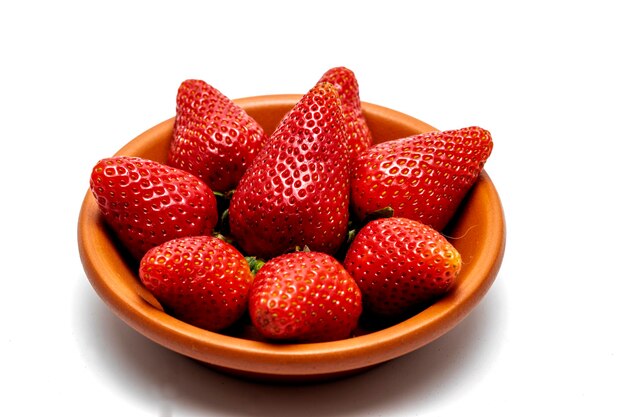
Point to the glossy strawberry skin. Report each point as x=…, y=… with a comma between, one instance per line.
x=214, y=138
x=358, y=134
x=200, y=280
x=423, y=177
x=304, y=297
x=296, y=192
x=401, y=264
x=147, y=203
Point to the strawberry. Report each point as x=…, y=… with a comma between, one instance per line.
x=214, y=138
x=296, y=192
x=201, y=280
x=423, y=177
x=401, y=264
x=305, y=297
x=147, y=203
x=358, y=133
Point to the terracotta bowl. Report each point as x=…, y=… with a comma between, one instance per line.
x=478, y=232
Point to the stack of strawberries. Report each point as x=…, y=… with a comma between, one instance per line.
x=301, y=231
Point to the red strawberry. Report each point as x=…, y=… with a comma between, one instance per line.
x=306, y=297
x=400, y=264
x=148, y=203
x=214, y=138
x=296, y=192
x=423, y=177
x=358, y=133
x=201, y=280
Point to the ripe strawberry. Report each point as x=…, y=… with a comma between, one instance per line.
x=214, y=138
x=200, y=280
x=296, y=192
x=358, y=133
x=400, y=264
x=306, y=297
x=423, y=177
x=147, y=203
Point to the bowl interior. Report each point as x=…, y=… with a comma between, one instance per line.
x=477, y=231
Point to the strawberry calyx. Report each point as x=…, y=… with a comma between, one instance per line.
x=254, y=263
x=224, y=195
x=304, y=248
x=382, y=213
x=223, y=203
x=355, y=225
x=224, y=238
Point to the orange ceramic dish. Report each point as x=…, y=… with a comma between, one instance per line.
x=478, y=232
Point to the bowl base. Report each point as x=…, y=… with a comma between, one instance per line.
x=280, y=379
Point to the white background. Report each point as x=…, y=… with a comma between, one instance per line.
x=80, y=79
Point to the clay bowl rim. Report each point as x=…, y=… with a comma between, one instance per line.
x=133, y=304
